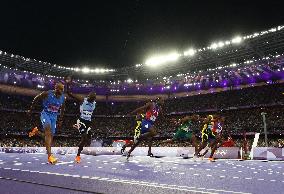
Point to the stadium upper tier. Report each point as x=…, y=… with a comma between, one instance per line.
x=263, y=71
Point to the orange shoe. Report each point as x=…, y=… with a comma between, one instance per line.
x=33, y=132
x=52, y=159
x=211, y=159
x=78, y=159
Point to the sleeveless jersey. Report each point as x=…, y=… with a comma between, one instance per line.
x=52, y=104
x=152, y=114
x=217, y=128
x=208, y=128
x=87, y=109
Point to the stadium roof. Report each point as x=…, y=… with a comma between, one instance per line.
x=221, y=53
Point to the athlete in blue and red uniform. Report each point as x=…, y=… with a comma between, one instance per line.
x=148, y=129
x=53, y=102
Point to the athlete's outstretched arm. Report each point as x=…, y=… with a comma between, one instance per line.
x=39, y=97
x=79, y=98
x=141, y=109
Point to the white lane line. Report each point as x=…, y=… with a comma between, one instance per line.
x=61, y=163
x=25, y=170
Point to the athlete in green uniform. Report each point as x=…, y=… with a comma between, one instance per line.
x=186, y=131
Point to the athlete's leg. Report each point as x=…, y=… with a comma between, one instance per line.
x=127, y=145
x=194, y=142
x=81, y=144
x=214, y=146
x=133, y=147
x=150, y=146
x=48, y=139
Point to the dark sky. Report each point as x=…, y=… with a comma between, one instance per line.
x=120, y=33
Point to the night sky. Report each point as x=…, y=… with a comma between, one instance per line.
x=121, y=33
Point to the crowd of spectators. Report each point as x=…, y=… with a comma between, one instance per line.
x=241, y=108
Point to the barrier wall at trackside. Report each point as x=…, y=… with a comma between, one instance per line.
x=267, y=153
x=222, y=152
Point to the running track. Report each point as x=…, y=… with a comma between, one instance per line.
x=29, y=173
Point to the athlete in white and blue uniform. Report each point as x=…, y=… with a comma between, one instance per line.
x=87, y=107
x=53, y=102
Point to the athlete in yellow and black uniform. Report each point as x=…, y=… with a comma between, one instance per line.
x=137, y=132
x=207, y=133
x=211, y=135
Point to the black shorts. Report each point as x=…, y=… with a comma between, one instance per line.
x=84, y=126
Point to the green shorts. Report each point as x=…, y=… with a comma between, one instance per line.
x=182, y=135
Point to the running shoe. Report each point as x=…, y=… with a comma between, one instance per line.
x=52, y=159
x=78, y=159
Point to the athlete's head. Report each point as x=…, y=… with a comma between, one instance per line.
x=59, y=88
x=210, y=117
x=92, y=96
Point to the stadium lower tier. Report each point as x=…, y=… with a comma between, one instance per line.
x=237, y=121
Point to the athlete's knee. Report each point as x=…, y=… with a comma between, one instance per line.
x=47, y=130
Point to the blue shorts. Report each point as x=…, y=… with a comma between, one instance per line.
x=48, y=119
x=146, y=125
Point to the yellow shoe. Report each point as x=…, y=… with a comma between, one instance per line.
x=78, y=159
x=33, y=132
x=52, y=159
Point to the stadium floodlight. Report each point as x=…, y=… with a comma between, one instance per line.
x=237, y=40
x=86, y=70
x=228, y=42
x=221, y=44
x=189, y=52
x=129, y=80
x=214, y=46
x=154, y=61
